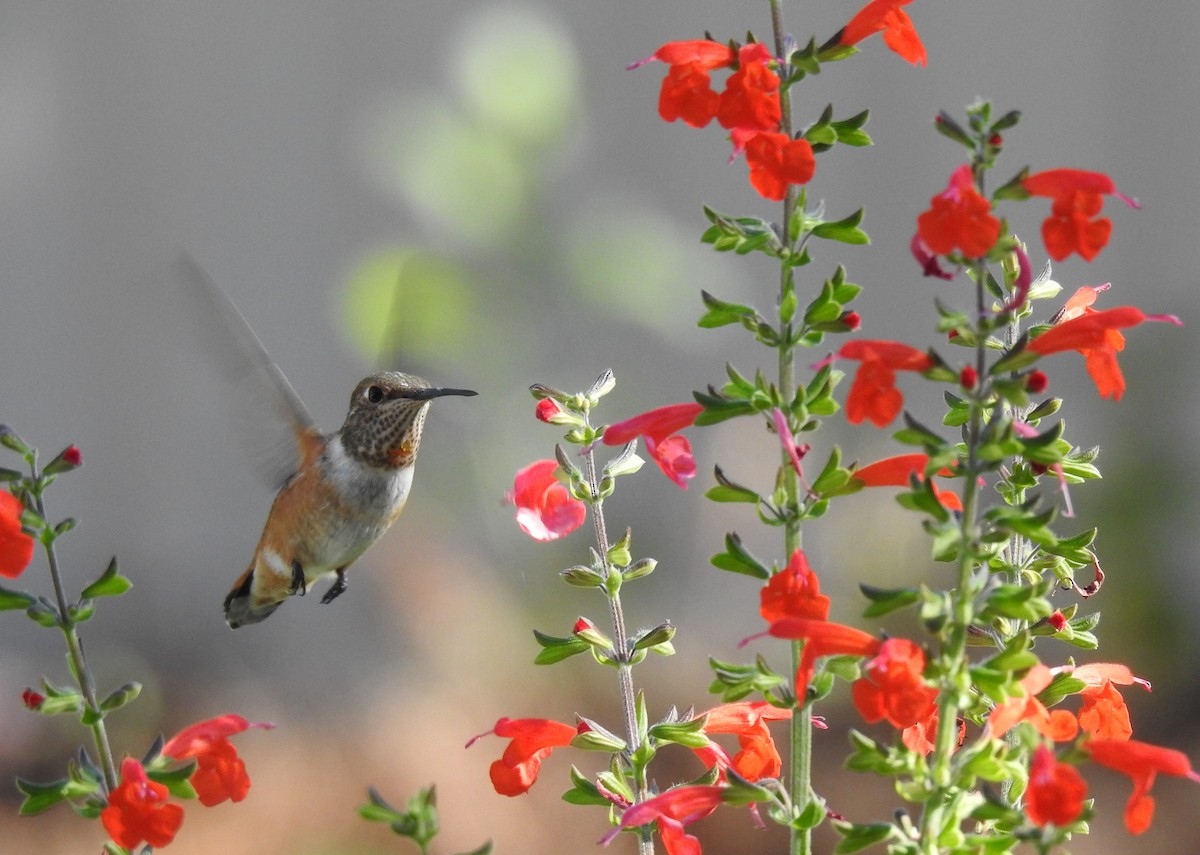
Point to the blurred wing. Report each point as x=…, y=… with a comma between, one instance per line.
x=278, y=427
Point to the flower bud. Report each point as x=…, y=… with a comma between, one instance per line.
x=1037, y=382
x=619, y=553
x=592, y=737
x=69, y=458
x=586, y=631
x=581, y=577
x=968, y=377
x=1058, y=621
x=660, y=634
x=33, y=700
x=604, y=384
x=641, y=567
x=9, y=439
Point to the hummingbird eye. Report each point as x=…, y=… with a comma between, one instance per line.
x=374, y=394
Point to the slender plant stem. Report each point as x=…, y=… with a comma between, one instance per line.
x=75, y=657
x=621, y=649
x=954, y=653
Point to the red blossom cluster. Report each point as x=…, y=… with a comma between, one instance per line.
x=138, y=810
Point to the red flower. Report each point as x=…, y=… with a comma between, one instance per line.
x=1059, y=725
x=16, y=547
x=532, y=741
x=920, y=736
x=1104, y=714
x=751, y=97
x=220, y=774
x=1056, y=790
x=795, y=592
x=897, y=472
x=758, y=757
x=1142, y=762
x=671, y=811
x=1078, y=198
x=822, y=638
x=776, y=161
x=671, y=451
x=1095, y=336
x=892, y=686
x=32, y=699
x=686, y=92
x=873, y=394
x=547, y=409
x=898, y=31
x=138, y=810
x=545, y=508
x=959, y=217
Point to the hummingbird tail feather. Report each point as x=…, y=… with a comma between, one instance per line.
x=239, y=607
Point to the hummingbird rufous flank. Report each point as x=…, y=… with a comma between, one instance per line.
x=341, y=491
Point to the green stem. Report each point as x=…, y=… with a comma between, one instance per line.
x=954, y=651
x=621, y=651
x=75, y=658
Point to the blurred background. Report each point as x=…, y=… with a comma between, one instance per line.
x=481, y=194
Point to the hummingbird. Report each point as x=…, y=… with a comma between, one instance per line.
x=340, y=492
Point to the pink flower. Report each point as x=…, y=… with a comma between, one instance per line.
x=660, y=429
x=545, y=508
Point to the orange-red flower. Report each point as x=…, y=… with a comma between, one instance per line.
x=660, y=428
x=874, y=395
x=959, y=217
x=220, y=774
x=758, y=757
x=1078, y=197
x=138, y=811
x=1104, y=714
x=795, y=591
x=897, y=472
x=887, y=17
x=16, y=547
x=1142, y=762
x=532, y=741
x=920, y=736
x=751, y=97
x=777, y=161
x=545, y=508
x=686, y=91
x=822, y=638
x=1095, y=335
x=892, y=686
x=1056, y=790
x=671, y=811
x=1059, y=725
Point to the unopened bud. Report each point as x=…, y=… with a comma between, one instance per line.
x=592, y=737
x=69, y=458
x=33, y=700
x=586, y=631
x=660, y=634
x=1037, y=382
x=968, y=377
x=641, y=567
x=581, y=577
x=604, y=384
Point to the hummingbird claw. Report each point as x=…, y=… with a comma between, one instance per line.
x=337, y=589
x=299, y=586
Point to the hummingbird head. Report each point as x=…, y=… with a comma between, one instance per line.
x=387, y=412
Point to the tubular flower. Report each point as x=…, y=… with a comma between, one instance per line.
x=545, y=508
x=532, y=741
x=1095, y=335
x=220, y=774
x=794, y=592
x=1059, y=725
x=660, y=428
x=751, y=97
x=758, y=757
x=1056, y=790
x=928, y=259
x=138, y=811
x=897, y=472
x=822, y=638
x=892, y=686
x=1078, y=197
x=959, y=217
x=686, y=91
x=887, y=17
x=671, y=811
x=777, y=161
x=16, y=547
x=1104, y=714
x=874, y=395
x=920, y=736
x=1142, y=762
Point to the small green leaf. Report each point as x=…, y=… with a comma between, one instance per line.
x=845, y=230
x=859, y=837
x=556, y=649
x=110, y=584
x=737, y=559
x=885, y=600
x=11, y=600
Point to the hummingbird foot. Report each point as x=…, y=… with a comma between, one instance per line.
x=337, y=588
x=299, y=586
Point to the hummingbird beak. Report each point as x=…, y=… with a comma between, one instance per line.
x=426, y=394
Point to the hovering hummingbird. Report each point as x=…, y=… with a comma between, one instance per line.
x=340, y=492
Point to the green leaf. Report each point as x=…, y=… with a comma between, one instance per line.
x=885, y=600
x=845, y=230
x=729, y=491
x=859, y=837
x=556, y=649
x=737, y=559
x=110, y=584
x=11, y=600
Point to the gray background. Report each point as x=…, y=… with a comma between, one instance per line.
x=288, y=146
